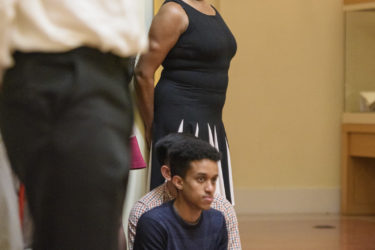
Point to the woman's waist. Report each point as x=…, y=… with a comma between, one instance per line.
x=171, y=94
x=189, y=112
x=199, y=80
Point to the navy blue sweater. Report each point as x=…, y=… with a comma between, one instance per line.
x=161, y=228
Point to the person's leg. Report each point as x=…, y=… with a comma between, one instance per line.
x=10, y=227
x=67, y=128
x=122, y=239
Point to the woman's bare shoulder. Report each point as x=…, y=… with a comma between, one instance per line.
x=173, y=12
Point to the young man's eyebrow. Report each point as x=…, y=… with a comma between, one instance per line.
x=201, y=174
x=205, y=175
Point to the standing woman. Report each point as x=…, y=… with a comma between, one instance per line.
x=191, y=41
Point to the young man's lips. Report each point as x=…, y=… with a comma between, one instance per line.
x=208, y=198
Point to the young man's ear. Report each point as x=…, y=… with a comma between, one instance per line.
x=166, y=172
x=178, y=182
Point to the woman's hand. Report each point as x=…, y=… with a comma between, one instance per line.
x=148, y=137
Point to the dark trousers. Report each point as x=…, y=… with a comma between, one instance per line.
x=65, y=120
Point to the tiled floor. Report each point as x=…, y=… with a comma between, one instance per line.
x=306, y=232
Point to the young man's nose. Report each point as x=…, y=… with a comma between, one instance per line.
x=210, y=187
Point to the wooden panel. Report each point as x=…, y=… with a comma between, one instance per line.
x=359, y=192
x=359, y=128
x=345, y=171
x=358, y=1
x=359, y=118
x=364, y=181
x=358, y=169
x=362, y=144
x=363, y=200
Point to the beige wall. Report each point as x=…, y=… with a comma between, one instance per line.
x=285, y=95
x=215, y=3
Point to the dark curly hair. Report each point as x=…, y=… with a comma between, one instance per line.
x=178, y=150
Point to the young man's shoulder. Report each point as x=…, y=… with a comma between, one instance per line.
x=149, y=201
x=214, y=215
x=166, y=210
x=158, y=217
x=157, y=213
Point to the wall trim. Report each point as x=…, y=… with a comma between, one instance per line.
x=359, y=6
x=287, y=200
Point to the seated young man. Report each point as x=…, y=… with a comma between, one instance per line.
x=167, y=192
x=187, y=222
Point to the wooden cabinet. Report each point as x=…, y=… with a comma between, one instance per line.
x=346, y=2
x=353, y=5
x=358, y=169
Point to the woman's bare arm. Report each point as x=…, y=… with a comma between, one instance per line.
x=166, y=28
